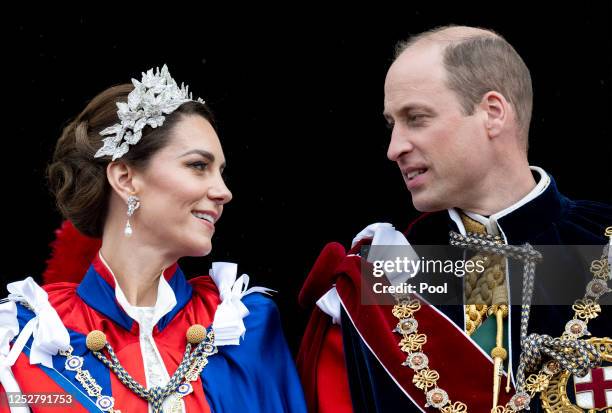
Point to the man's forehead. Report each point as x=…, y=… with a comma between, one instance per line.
x=413, y=77
x=424, y=55
x=401, y=90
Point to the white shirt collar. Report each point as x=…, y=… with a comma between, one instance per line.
x=165, y=302
x=491, y=223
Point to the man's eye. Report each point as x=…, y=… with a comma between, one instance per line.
x=416, y=118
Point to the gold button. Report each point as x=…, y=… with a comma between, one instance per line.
x=95, y=340
x=196, y=334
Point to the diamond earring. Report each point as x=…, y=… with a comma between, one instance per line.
x=133, y=203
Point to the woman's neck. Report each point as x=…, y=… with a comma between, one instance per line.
x=136, y=268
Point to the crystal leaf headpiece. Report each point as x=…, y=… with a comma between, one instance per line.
x=154, y=96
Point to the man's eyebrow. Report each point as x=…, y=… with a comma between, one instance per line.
x=414, y=107
x=409, y=108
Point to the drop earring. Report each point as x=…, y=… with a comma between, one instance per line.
x=133, y=203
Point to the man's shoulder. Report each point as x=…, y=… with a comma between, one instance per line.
x=568, y=222
x=586, y=220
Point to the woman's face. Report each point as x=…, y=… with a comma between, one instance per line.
x=181, y=191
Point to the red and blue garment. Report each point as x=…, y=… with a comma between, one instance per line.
x=258, y=375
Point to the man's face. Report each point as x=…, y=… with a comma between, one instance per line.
x=441, y=152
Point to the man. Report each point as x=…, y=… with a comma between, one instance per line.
x=459, y=101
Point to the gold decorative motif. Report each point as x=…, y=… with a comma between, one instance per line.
x=499, y=352
x=600, y=269
x=426, y=378
x=406, y=308
x=88, y=383
x=457, y=407
x=413, y=342
x=550, y=383
x=83, y=376
x=418, y=361
x=586, y=309
x=475, y=314
x=555, y=399
x=536, y=383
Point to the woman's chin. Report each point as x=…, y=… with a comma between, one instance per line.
x=204, y=251
x=200, y=249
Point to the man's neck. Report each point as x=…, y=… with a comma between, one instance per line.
x=501, y=192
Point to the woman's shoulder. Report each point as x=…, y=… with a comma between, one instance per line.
x=28, y=316
x=203, y=285
x=256, y=300
x=240, y=313
x=260, y=302
x=58, y=303
x=30, y=298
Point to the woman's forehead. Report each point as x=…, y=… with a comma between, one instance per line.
x=194, y=132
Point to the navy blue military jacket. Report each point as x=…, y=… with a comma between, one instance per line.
x=549, y=219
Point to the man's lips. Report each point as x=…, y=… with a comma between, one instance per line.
x=413, y=171
x=414, y=176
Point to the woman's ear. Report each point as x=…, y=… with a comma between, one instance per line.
x=121, y=178
x=495, y=107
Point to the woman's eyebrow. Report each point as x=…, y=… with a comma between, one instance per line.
x=202, y=152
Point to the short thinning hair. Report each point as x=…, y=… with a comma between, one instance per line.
x=480, y=61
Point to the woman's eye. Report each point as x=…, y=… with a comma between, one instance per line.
x=198, y=165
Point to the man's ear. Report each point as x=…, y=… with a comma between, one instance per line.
x=496, y=109
x=121, y=178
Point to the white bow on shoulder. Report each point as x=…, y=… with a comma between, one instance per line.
x=49, y=332
x=228, y=324
x=50, y=335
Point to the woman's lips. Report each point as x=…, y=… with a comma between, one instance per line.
x=205, y=222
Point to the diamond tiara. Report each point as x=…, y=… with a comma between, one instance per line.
x=155, y=95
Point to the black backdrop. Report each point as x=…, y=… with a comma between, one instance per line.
x=298, y=96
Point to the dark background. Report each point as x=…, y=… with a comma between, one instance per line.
x=298, y=95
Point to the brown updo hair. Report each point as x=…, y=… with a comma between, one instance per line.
x=78, y=180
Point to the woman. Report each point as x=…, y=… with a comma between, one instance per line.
x=141, y=168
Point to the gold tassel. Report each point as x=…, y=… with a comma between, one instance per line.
x=499, y=353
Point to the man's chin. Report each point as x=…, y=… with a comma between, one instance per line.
x=427, y=204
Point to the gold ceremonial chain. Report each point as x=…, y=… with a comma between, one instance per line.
x=412, y=344
x=567, y=352
x=585, y=309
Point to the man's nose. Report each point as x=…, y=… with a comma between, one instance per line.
x=400, y=143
